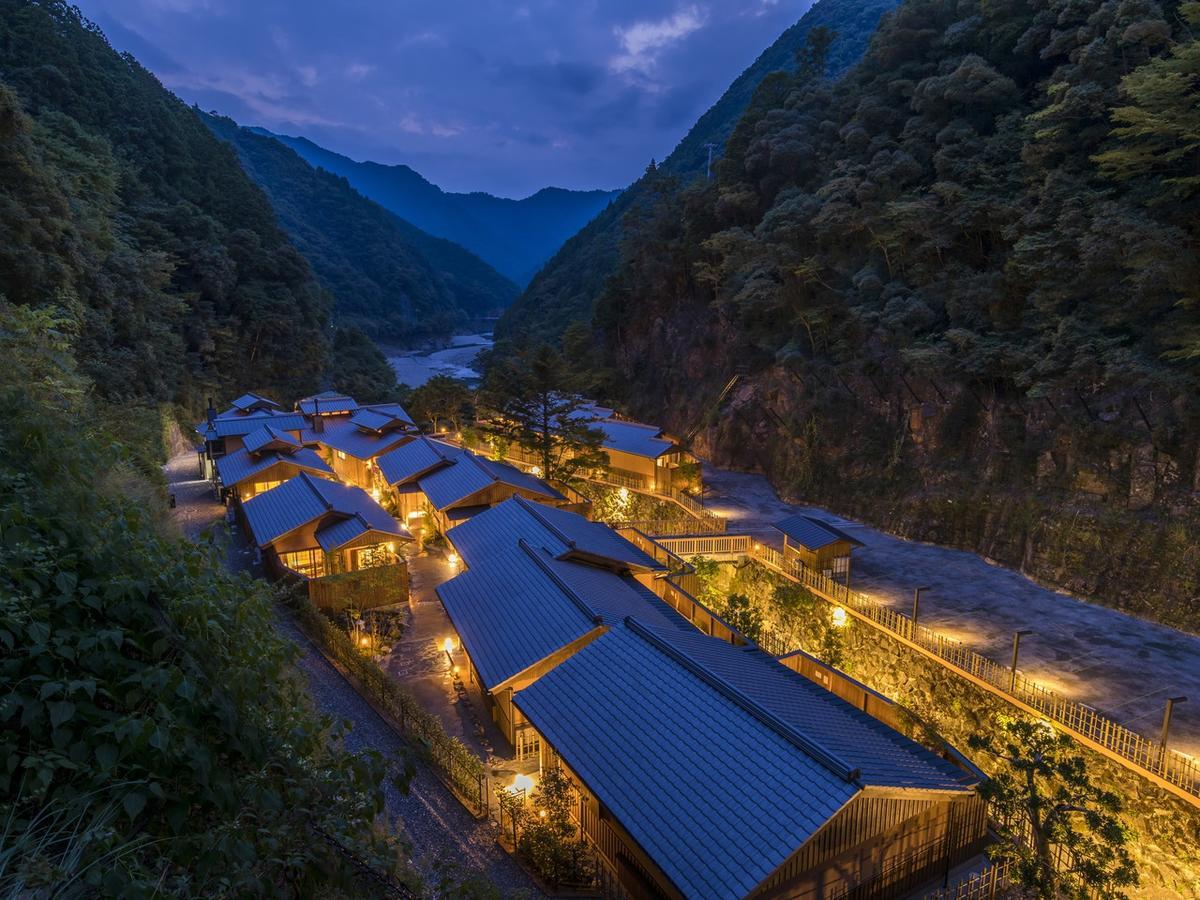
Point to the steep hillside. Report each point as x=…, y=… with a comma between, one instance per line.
x=960, y=289
x=117, y=203
x=514, y=236
x=566, y=288
x=386, y=276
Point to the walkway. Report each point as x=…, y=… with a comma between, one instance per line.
x=447, y=842
x=1123, y=666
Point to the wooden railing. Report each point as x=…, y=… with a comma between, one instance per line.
x=1117, y=741
x=673, y=527
x=708, y=545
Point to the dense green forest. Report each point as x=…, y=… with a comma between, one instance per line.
x=386, y=276
x=513, y=236
x=960, y=286
x=566, y=289
x=119, y=206
x=154, y=739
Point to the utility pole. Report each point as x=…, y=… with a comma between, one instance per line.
x=1166, y=729
x=710, y=147
x=1012, y=678
x=916, y=610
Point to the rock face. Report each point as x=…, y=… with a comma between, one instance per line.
x=1167, y=843
x=1097, y=496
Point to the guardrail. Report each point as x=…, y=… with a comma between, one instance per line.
x=1118, y=742
x=1179, y=772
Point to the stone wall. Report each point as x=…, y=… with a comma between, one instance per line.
x=1167, y=847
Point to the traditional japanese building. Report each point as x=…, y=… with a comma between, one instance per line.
x=701, y=768
x=314, y=527
x=268, y=457
x=350, y=442
x=449, y=484
x=818, y=545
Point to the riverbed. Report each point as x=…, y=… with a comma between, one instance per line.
x=453, y=357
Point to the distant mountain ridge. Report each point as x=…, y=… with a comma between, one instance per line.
x=387, y=277
x=515, y=237
x=566, y=288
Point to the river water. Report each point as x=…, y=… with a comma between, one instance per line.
x=454, y=358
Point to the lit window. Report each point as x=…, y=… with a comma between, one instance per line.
x=341, y=454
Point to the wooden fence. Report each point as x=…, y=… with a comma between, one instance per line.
x=1176, y=771
x=989, y=884
x=361, y=589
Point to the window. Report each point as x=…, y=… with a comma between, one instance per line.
x=309, y=563
x=341, y=454
x=261, y=487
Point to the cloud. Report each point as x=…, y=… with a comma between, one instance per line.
x=358, y=71
x=642, y=41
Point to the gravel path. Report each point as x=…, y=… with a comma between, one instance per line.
x=1123, y=666
x=447, y=842
x=445, y=838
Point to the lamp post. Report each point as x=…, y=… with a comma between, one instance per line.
x=1012, y=678
x=916, y=610
x=1166, y=728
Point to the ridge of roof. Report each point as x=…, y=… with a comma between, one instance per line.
x=321, y=498
x=569, y=591
x=530, y=508
x=802, y=742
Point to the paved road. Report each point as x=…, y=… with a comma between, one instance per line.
x=447, y=842
x=1123, y=666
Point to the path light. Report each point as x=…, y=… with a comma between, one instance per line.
x=375, y=493
x=623, y=493
x=522, y=783
x=364, y=641
x=448, y=645
x=452, y=558
x=839, y=617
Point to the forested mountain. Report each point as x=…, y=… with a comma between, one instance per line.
x=386, y=276
x=515, y=237
x=566, y=288
x=119, y=206
x=961, y=287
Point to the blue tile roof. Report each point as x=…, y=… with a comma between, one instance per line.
x=634, y=438
x=468, y=474
x=884, y=757
x=251, y=400
x=269, y=438
x=236, y=467
x=812, y=533
x=509, y=615
x=561, y=532
x=327, y=403
x=382, y=418
x=304, y=499
x=242, y=425
x=344, y=435
x=717, y=794
x=410, y=461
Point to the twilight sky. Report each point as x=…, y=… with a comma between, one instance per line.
x=505, y=96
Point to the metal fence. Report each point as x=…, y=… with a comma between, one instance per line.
x=1120, y=743
x=989, y=884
